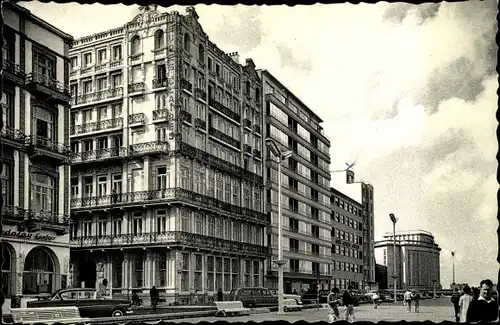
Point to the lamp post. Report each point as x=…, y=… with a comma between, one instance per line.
x=276, y=151
x=453, y=261
x=394, y=276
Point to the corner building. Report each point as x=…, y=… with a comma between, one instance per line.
x=305, y=182
x=35, y=139
x=347, y=239
x=166, y=182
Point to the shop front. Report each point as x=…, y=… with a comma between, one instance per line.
x=36, y=263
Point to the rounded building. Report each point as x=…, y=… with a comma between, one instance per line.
x=417, y=259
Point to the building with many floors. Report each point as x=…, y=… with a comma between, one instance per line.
x=369, y=265
x=417, y=260
x=305, y=182
x=35, y=136
x=167, y=170
x=347, y=237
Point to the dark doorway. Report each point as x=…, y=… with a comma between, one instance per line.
x=87, y=272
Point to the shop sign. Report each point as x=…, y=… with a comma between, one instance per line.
x=27, y=235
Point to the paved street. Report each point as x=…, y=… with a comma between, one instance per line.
x=386, y=312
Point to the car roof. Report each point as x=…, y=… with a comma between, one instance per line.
x=74, y=289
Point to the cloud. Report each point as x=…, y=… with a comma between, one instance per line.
x=399, y=11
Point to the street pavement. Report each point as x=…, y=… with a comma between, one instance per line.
x=385, y=312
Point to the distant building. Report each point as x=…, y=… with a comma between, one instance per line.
x=417, y=260
x=367, y=199
x=347, y=240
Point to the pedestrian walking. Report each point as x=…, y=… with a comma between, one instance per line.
x=464, y=303
x=220, y=295
x=455, y=298
x=333, y=301
x=375, y=300
x=348, y=301
x=407, y=300
x=416, y=300
x=154, y=295
x=485, y=308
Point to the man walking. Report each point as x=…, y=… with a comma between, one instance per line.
x=348, y=301
x=407, y=300
x=485, y=308
x=455, y=299
x=333, y=301
x=154, y=294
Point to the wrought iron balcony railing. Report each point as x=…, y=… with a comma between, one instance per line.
x=116, y=63
x=47, y=144
x=11, y=213
x=177, y=193
x=218, y=163
x=12, y=68
x=172, y=238
x=97, y=126
x=153, y=147
x=162, y=114
x=256, y=129
x=160, y=83
x=137, y=87
x=224, y=137
x=186, y=116
x=185, y=84
x=138, y=118
x=97, y=96
x=13, y=135
x=257, y=153
x=200, y=94
x=247, y=123
x=247, y=149
x=99, y=154
x=224, y=110
x=47, y=81
x=200, y=124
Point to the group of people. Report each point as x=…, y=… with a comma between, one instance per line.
x=410, y=297
x=474, y=305
x=335, y=300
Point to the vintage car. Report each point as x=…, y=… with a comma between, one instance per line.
x=88, y=302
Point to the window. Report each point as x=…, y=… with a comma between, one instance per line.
x=162, y=178
x=185, y=272
x=44, y=64
x=209, y=63
x=102, y=186
x=9, y=44
x=117, y=52
x=74, y=187
x=7, y=185
x=101, y=226
x=116, y=80
x=43, y=123
x=187, y=43
x=137, y=223
x=101, y=55
x=135, y=45
x=159, y=39
x=161, y=270
x=87, y=186
x=101, y=83
x=201, y=53
x=185, y=214
x=87, y=86
x=198, y=223
x=161, y=72
x=74, y=62
x=87, y=59
x=8, y=109
x=42, y=193
x=117, y=226
x=161, y=222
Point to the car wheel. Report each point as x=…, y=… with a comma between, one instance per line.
x=117, y=313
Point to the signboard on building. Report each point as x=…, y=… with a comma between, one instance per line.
x=27, y=235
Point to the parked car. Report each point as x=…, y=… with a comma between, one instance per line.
x=311, y=297
x=297, y=298
x=253, y=297
x=87, y=301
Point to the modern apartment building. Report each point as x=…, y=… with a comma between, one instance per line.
x=35, y=136
x=417, y=260
x=369, y=265
x=305, y=182
x=347, y=239
x=167, y=171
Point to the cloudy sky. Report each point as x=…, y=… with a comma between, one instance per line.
x=407, y=91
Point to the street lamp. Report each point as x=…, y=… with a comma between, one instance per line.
x=453, y=257
x=394, y=276
x=281, y=155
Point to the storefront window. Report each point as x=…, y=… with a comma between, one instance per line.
x=39, y=272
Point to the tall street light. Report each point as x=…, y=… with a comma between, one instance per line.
x=453, y=257
x=281, y=155
x=394, y=276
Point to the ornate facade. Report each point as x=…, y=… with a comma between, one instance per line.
x=167, y=179
x=35, y=173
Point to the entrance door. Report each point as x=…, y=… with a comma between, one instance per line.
x=87, y=272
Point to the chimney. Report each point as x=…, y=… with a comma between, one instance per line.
x=235, y=56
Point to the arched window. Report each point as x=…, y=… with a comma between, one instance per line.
x=42, y=193
x=159, y=39
x=39, y=271
x=7, y=270
x=201, y=53
x=187, y=43
x=135, y=45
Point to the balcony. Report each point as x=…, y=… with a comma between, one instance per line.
x=219, y=164
x=98, y=96
x=167, y=196
x=257, y=154
x=223, y=137
x=172, y=238
x=247, y=123
x=99, y=126
x=48, y=88
x=138, y=119
x=256, y=129
x=31, y=220
x=46, y=149
x=224, y=110
x=13, y=72
x=149, y=148
x=162, y=115
x=199, y=124
x=247, y=149
x=200, y=94
x=98, y=155
x=186, y=85
x=13, y=137
x=137, y=88
x=115, y=63
x=100, y=66
x=160, y=83
x=186, y=117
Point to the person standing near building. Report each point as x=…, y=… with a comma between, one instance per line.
x=154, y=294
x=333, y=301
x=348, y=301
x=407, y=300
x=220, y=295
x=455, y=298
x=485, y=308
x=464, y=303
